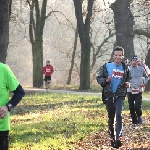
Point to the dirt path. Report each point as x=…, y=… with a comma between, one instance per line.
x=133, y=139
x=32, y=90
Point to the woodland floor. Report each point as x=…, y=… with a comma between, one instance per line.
x=133, y=139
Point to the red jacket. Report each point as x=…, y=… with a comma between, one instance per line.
x=47, y=70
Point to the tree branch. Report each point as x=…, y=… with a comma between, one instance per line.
x=142, y=32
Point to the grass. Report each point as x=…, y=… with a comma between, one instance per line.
x=52, y=121
x=94, y=88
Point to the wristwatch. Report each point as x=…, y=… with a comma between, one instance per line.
x=9, y=106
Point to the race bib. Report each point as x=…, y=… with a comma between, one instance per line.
x=135, y=91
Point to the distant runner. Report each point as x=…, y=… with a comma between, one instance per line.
x=47, y=71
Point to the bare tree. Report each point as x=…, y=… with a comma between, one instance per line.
x=147, y=61
x=123, y=20
x=98, y=47
x=73, y=57
x=5, y=6
x=84, y=30
x=36, y=27
x=143, y=30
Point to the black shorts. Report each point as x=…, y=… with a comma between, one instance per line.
x=47, y=78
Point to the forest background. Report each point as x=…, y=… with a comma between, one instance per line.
x=61, y=41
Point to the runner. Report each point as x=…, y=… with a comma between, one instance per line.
x=113, y=77
x=47, y=71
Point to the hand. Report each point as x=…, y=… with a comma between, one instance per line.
x=3, y=112
x=108, y=79
x=127, y=84
x=142, y=85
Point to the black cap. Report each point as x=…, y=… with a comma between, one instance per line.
x=134, y=57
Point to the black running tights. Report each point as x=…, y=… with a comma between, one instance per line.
x=4, y=140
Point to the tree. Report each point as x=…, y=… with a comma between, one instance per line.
x=84, y=30
x=36, y=28
x=147, y=60
x=73, y=57
x=123, y=20
x=144, y=9
x=5, y=6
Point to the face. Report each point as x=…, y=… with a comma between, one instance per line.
x=142, y=61
x=118, y=56
x=47, y=62
x=134, y=62
x=138, y=63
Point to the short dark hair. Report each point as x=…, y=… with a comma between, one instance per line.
x=48, y=61
x=118, y=48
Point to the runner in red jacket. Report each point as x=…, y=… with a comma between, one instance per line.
x=47, y=70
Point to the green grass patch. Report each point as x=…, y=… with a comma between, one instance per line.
x=146, y=94
x=52, y=121
x=55, y=121
x=94, y=88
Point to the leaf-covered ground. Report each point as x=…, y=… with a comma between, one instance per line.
x=133, y=139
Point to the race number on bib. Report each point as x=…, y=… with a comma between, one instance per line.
x=135, y=91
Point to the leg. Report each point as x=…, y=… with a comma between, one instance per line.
x=111, y=114
x=131, y=99
x=47, y=81
x=138, y=105
x=119, y=107
x=4, y=140
x=46, y=86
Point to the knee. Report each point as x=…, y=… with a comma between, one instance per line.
x=118, y=116
x=137, y=108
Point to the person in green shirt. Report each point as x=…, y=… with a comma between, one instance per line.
x=8, y=82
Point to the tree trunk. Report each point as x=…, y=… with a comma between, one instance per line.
x=4, y=29
x=36, y=27
x=73, y=57
x=84, y=29
x=147, y=62
x=37, y=54
x=123, y=20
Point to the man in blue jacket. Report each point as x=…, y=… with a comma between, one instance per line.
x=113, y=77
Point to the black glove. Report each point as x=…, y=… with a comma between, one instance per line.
x=104, y=101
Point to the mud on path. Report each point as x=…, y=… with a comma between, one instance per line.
x=133, y=139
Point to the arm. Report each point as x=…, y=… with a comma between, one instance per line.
x=16, y=98
x=127, y=77
x=101, y=77
x=147, y=69
x=43, y=70
x=145, y=77
x=52, y=69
